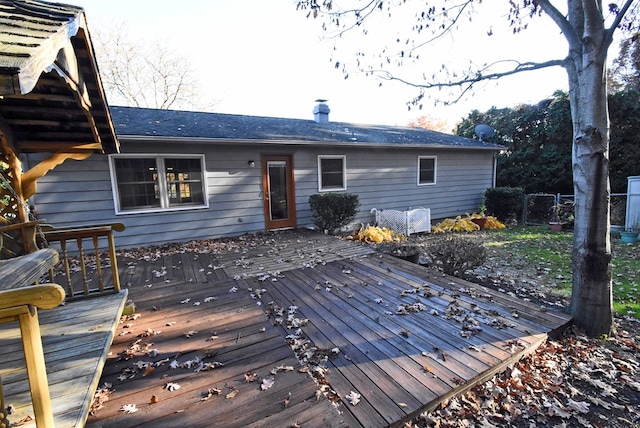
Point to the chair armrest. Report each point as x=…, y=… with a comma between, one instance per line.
x=44, y=296
x=15, y=226
x=117, y=227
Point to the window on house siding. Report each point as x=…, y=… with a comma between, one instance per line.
x=426, y=170
x=156, y=183
x=332, y=173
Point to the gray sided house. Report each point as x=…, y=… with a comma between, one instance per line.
x=224, y=175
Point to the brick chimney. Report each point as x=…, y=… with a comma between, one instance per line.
x=321, y=112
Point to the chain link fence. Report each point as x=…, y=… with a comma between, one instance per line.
x=542, y=208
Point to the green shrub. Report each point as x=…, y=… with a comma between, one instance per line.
x=505, y=203
x=331, y=211
x=456, y=255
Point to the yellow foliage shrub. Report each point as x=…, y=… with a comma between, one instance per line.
x=376, y=234
x=465, y=224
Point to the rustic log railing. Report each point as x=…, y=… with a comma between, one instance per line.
x=80, y=252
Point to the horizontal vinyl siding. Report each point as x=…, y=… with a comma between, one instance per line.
x=79, y=192
x=387, y=179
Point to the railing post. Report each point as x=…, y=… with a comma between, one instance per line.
x=114, y=261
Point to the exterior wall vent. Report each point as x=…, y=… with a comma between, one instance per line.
x=321, y=111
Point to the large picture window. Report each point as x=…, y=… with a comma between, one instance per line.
x=332, y=173
x=426, y=170
x=144, y=183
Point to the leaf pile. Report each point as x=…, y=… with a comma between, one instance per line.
x=572, y=382
x=377, y=234
x=466, y=224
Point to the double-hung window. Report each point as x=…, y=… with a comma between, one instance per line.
x=332, y=173
x=426, y=170
x=148, y=183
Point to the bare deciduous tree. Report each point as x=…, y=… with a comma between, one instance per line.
x=145, y=73
x=588, y=27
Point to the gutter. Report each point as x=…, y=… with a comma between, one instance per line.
x=327, y=143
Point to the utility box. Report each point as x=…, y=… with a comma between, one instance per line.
x=632, y=220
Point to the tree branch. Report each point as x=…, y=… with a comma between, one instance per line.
x=618, y=20
x=561, y=21
x=445, y=30
x=477, y=76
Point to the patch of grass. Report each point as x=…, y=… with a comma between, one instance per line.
x=550, y=254
x=626, y=282
x=539, y=259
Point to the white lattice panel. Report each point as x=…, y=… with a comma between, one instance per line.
x=419, y=220
x=405, y=222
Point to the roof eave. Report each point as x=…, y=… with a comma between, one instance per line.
x=206, y=140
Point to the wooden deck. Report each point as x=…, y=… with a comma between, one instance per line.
x=232, y=338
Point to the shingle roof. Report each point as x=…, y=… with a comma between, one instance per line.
x=143, y=123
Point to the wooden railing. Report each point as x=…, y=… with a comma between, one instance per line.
x=81, y=265
x=82, y=247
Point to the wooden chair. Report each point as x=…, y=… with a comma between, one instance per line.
x=20, y=301
x=17, y=238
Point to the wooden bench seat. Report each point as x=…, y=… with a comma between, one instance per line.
x=51, y=362
x=76, y=338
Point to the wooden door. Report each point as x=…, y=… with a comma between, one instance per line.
x=278, y=192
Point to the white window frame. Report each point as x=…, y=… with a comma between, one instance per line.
x=435, y=170
x=344, y=173
x=162, y=183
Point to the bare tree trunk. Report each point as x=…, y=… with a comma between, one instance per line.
x=592, y=298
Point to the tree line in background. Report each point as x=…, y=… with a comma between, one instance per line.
x=538, y=138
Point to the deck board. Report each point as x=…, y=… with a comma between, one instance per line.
x=400, y=364
x=224, y=301
x=82, y=329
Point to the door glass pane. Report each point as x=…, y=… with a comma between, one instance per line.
x=278, y=204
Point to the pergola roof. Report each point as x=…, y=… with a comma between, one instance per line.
x=51, y=96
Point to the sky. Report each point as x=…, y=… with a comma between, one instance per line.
x=264, y=58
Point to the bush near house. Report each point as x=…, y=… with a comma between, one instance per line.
x=332, y=211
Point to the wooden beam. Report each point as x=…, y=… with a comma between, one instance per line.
x=9, y=84
x=29, y=178
x=58, y=146
x=43, y=97
x=44, y=122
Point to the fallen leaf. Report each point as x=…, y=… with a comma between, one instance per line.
x=148, y=370
x=210, y=393
x=267, y=383
x=172, y=386
x=353, y=397
x=128, y=409
x=578, y=406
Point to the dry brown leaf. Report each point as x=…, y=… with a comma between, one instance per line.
x=148, y=370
